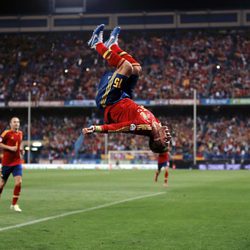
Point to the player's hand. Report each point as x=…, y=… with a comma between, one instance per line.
x=13, y=148
x=88, y=130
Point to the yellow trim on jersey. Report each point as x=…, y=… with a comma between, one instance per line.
x=143, y=127
x=5, y=132
x=122, y=53
x=127, y=128
x=121, y=62
x=123, y=129
x=108, y=56
x=108, y=88
x=98, y=128
x=106, y=53
x=136, y=64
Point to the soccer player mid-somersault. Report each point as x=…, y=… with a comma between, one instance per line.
x=115, y=92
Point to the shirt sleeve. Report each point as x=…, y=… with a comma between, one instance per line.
x=3, y=136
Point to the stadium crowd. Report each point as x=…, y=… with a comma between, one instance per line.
x=218, y=138
x=60, y=66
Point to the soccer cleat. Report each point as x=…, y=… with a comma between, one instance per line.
x=113, y=38
x=97, y=36
x=16, y=208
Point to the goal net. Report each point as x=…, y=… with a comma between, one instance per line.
x=141, y=159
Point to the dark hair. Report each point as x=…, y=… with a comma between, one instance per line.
x=13, y=118
x=157, y=146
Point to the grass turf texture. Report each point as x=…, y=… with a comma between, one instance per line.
x=199, y=210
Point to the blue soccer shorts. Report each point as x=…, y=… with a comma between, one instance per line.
x=15, y=170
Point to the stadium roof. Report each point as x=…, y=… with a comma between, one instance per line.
x=36, y=7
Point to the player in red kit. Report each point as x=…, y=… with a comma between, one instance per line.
x=10, y=142
x=163, y=161
x=115, y=93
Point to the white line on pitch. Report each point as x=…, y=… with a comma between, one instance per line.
x=78, y=211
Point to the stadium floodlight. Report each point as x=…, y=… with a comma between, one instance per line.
x=79, y=63
x=69, y=6
x=37, y=144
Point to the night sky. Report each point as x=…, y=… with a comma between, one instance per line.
x=33, y=7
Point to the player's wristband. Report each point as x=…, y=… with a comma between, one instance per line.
x=98, y=129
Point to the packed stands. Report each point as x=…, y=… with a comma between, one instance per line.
x=59, y=66
x=218, y=138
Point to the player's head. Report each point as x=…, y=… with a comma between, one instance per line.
x=15, y=123
x=157, y=146
x=160, y=138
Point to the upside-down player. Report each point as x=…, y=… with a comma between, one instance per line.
x=163, y=161
x=115, y=91
x=10, y=142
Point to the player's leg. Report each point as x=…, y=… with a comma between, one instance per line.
x=157, y=173
x=161, y=164
x=17, y=173
x=166, y=177
x=2, y=183
x=112, y=43
x=5, y=173
x=96, y=42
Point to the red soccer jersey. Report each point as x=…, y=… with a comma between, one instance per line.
x=120, y=116
x=11, y=138
x=162, y=158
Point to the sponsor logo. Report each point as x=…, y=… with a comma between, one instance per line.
x=132, y=127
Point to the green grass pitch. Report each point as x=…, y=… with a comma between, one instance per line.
x=127, y=210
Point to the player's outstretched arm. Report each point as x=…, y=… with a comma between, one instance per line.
x=98, y=129
x=10, y=148
x=121, y=127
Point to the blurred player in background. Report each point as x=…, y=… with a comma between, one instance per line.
x=115, y=93
x=163, y=162
x=10, y=142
